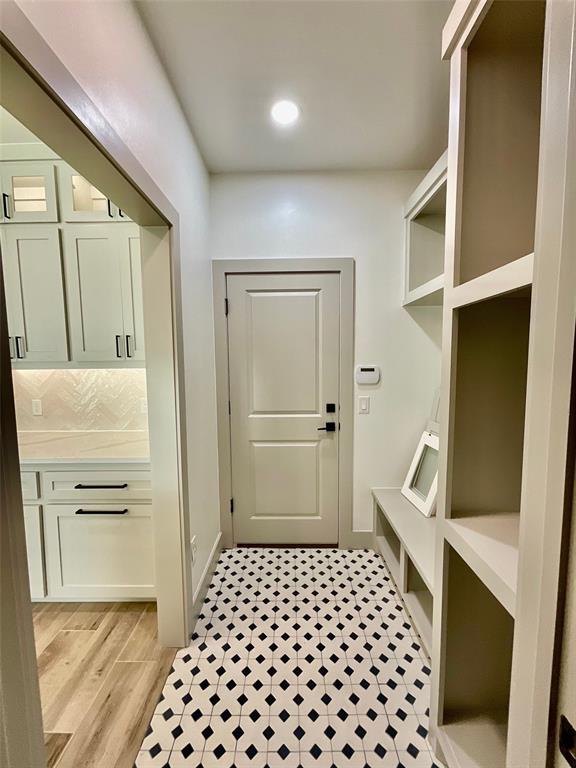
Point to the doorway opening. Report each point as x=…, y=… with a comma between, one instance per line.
x=93, y=443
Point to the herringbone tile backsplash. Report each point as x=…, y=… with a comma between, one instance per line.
x=86, y=399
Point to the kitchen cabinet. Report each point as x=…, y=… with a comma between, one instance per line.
x=28, y=192
x=89, y=530
x=34, y=284
x=99, y=551
x=104, y=292
x=82, y=201
x=35, y=550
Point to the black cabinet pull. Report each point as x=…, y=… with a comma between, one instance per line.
x=101, y=512
x=85, y=487
x=109, y=207
x=19, y=347
x=118, y=350
x=128, y=340
x=6, y=205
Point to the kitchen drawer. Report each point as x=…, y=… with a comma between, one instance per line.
x=99, y=551
x=29, y=481
x=35, y=550
x=79, y=485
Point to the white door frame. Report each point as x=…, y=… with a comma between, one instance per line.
x=344, y=267
x=66, y=119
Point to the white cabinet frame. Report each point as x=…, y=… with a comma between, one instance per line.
x=14, y=169
x=34, y=280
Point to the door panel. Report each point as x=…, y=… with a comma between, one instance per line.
x=35, y=551
x=29, y=191
x=284, y=340
x=132, y=298
x=35, y=292
x=93, y=254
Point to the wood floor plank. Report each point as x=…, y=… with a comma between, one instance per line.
x=143, y=644
x=49, y=621
x=116, y=722
x=55, y=744
x=89, y=616
x=73, y=684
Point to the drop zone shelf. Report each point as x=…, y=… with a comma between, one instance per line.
x=406, y=541
x=489, y=545
x=475, y=741
x=511, y=277
x=428, y=295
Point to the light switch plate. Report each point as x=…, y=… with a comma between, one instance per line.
x=37, y=407
x=364, y=404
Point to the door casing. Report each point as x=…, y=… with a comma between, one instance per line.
x=347, y=537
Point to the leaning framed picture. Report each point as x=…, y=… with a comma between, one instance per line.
x=421, y=481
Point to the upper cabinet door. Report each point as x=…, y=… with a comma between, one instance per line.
x=132, y=303
x=93, y=257
x=82, y=201
x=28, y=192
x=35, y=294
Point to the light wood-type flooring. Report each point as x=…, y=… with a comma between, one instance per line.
x=101, y=673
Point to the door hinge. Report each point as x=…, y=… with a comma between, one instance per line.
x=231, y=506
x=229, y=408
x=226, y=307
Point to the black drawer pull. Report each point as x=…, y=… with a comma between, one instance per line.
x=101, y=512
x=84, y=487
x=6, y=205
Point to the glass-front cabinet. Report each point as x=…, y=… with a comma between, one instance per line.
x=28, y=192
x=82, y=201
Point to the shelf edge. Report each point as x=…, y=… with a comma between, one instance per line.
x=510, y=277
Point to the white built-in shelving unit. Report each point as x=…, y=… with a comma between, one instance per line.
x=405, y=539
x=496, y=236
x=424, y=217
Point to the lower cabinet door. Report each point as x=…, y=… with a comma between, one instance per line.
x=35, y=550
x=99, y=551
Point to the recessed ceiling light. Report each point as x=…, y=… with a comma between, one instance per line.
x=285, y=112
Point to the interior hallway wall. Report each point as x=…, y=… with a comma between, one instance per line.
x=355, y=215
x=108, y=51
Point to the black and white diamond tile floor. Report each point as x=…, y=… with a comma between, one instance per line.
x=301, y=658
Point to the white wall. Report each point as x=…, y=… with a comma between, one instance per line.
x=356, y=215
x=106, y=48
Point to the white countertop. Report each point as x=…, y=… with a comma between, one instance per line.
x=95, y=446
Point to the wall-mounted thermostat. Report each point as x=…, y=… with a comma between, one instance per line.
x=367, y=374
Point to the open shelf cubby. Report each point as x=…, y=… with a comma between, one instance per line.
x=478, y=660
x=425, y=217
x=501, y=137
x=406, y=540
x=488, y=441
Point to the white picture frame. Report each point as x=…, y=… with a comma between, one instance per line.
x=426, y=504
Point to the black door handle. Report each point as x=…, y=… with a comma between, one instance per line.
x=330, y=427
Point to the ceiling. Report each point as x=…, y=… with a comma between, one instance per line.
x=366, y=74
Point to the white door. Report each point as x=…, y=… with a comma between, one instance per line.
x=284, y=341
x=34, y=282
x=28, y=192
x=93, y=256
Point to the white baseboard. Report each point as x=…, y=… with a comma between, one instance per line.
x=204, y=583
